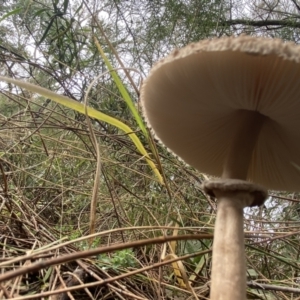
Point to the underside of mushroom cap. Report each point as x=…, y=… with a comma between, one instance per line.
x=193, y=99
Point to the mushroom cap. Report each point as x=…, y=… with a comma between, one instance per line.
x=193, y=98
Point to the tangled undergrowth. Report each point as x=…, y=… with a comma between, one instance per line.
x=47, y=177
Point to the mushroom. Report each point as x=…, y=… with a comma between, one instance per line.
x=230, y=107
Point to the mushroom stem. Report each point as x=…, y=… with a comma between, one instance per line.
x=240, y=151
x=228, y=264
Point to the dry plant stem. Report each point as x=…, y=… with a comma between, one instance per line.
x=229, y=266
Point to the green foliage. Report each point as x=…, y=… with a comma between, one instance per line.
x=123, y=259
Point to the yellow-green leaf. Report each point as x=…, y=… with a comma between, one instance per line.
x=123, y=90
x=93, y=113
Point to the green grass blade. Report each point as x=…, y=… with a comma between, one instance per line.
x=93, y=113
x=13, y=12
x=123, y=90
